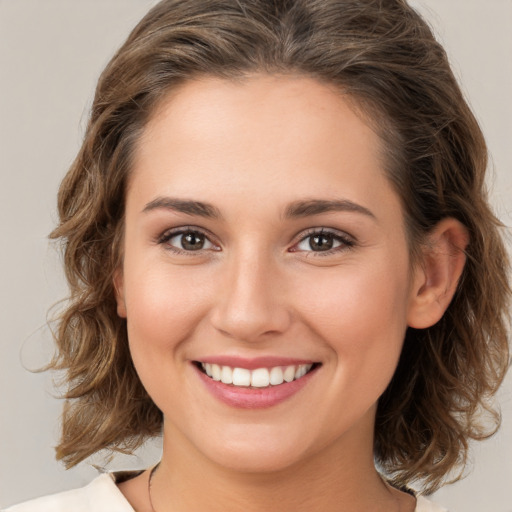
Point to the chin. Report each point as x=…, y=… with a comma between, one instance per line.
x=255, y=459
x=254, y=448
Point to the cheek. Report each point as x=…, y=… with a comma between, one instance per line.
x=164, y=306
x=361, y=314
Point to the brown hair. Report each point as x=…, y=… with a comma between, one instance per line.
x=384, y=56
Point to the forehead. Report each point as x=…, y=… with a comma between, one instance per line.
x=306, y=107
x=275, y=137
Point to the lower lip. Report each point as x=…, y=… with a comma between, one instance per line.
x=254, y=398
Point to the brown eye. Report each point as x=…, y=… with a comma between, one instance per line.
x=321, y=242
x=192, y=241
x=188, y=241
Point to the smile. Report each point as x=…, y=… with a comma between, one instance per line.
x=256, y=378
x=255, y=383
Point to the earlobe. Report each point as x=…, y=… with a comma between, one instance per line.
x=119, y=291
x=437, y=275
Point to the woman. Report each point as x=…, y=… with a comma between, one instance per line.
x=281, y=259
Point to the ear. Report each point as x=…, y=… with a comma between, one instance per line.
x=436, y=276
x=119, y=291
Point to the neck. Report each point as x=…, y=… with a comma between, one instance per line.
x=340, y=477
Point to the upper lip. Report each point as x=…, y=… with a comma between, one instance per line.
x=254, y=362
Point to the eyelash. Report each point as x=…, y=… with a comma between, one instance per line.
x=346, y=242
x=171, y=233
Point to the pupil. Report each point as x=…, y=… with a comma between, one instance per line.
x=192, y=241
x=321, y=242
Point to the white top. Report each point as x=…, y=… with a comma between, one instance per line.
x=103, y=495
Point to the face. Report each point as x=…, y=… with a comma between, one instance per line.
x=263, y=241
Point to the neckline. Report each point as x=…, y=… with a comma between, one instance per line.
x=118, y=477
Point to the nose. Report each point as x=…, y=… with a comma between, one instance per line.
x=251, y=305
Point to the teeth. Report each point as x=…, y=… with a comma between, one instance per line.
x=276, y=376
x=259, y=378
x=215, y=372
x=226, y=375
x=241, y=377
x=301, y=371
x=289, y=373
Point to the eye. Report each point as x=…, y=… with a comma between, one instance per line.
x=323, y=241
x=187, y=240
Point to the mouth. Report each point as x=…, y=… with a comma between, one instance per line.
x=258, y=378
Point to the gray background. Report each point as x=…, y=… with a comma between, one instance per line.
x=51, y=53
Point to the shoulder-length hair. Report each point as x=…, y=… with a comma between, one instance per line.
x=384, y=57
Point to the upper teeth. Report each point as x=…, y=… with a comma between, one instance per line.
x=259, y=378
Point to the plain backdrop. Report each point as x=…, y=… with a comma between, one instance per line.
x=51, y=53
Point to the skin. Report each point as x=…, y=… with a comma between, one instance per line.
x=250, y=149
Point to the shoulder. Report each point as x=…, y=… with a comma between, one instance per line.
x=424, y=505
x=101, y=495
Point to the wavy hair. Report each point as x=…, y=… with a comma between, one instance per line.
x=384, y=57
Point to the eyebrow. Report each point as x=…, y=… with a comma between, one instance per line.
x=297, y=209
x=308, y=207
x=185, y=206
